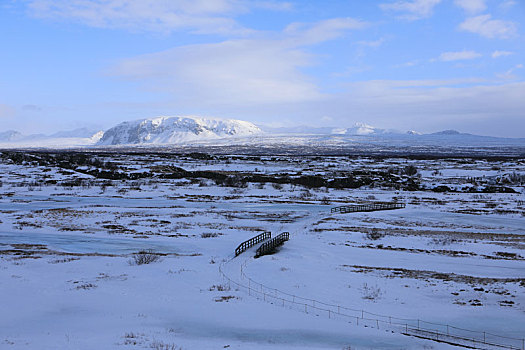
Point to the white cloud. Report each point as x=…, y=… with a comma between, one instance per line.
x=458, y=55
x=372, y=43
x=301, y=34
x=411, y=10
x=237, y=72
x=472, y=6
x=489, y=28
x=200, y=16
x=508, y=4
x=240, y=72
x=497, y=54
x=272, y=5
x=509, y=75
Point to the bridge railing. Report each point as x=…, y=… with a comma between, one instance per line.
x=251, y=242
x=269, y=246
x=367, y=207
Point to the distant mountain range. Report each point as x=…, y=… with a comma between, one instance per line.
x=193, y=130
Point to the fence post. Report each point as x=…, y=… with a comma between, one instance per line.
x=483, y=337
x=418, y=324
x=362, y=314
x=406, y=328
x=447, y=329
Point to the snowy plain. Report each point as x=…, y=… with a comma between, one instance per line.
x=67, y=277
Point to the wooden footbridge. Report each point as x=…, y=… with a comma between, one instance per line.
x=367, y=207
x=269, y=246
x=251, y=242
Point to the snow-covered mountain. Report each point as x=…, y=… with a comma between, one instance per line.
x=72, y=138
x=80, y=133
x=354, y=130
x=365, y=129
x=176, y=130
x=10, y=135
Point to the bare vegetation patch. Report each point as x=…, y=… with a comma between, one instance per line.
x=144, y=257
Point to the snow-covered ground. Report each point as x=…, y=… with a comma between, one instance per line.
x=68, y=277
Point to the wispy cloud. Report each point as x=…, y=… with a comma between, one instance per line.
x=411, y=10
x=489, y=28
x=372, y=43
x=510, y=74
x=497, y=54
x=301, y=34
x=232, y=72
x=472, y=6
x=199, y=16
x=240, y=71
x=32, y=108
x=458, y=56
x=508, y=4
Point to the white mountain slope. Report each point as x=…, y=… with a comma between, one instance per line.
x=357, y=129
x=176, y=130
x=365, y=129
x=10, y=135
x=63, y=139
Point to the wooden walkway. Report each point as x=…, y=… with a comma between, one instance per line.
x=367, y=207
x=269, y=247
x=251, y=242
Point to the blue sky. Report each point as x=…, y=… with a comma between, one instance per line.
x=422, y=65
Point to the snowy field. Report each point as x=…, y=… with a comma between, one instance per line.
x=71, y=278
